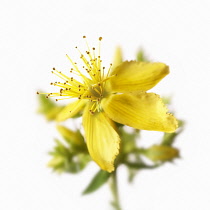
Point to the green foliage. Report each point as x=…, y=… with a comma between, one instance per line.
x=98, y=180
x=64, y=159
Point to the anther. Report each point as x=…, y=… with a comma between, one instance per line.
x=84, y=37
x=100, y=38
x=37, y=92
x=53, y=68
x=91, y=112
x=56, y=99
x=94, y=48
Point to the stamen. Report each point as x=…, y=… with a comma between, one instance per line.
x=81, y=89
x=109, y=69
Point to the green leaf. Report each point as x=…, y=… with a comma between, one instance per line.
x=98, y=180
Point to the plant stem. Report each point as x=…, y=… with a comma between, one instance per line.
x=114, y=188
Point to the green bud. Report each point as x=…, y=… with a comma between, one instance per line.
x=56, y=163
x=64, y=159
x=74, y=138
x=141, y=56
x=160, y=153
x=48, y=108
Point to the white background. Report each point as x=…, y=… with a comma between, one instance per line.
x=36, y=35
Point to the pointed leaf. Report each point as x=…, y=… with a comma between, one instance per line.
x=98, y=180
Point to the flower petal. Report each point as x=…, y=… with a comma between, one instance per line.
x=70, y=110
x=144, y=111
x=137, y=76
x=102, y=140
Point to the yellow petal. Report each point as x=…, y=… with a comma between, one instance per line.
x=137, y=76
x=102, y=140
x=144, y=111
x=70, y=110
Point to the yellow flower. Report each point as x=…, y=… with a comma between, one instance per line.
x=116, y=95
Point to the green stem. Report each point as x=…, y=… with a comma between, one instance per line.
x=114, y=189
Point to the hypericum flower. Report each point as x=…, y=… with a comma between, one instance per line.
x=117, y=95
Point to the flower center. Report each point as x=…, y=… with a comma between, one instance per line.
x=88, y=86
x=96, y=91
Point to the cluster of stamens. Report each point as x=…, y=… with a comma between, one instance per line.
x=90, y=87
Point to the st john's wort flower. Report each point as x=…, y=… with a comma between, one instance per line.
x=113, y=95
